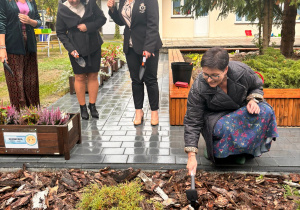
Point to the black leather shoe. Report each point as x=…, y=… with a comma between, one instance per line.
x=84, y=112
x=93, y=110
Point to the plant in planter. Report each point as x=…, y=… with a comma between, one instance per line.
x=120, y=55
x=3, y=114
x=35, y=130
x=195, y=58
x=112, y=56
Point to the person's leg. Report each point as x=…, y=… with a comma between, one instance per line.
x=31, y=80
x=15, y=83
x=150, y=78
x=134, y=61
x=80, y=80
x=93, y=86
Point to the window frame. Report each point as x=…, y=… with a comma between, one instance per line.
x=180, y=15
x=243, y=21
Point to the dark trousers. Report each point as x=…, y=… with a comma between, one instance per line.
x=134, y=62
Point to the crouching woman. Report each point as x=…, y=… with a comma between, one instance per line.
x=226, y=106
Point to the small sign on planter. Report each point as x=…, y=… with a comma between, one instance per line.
x=20, y=140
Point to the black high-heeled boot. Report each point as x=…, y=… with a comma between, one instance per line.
x=93, y=110
x=84, y=112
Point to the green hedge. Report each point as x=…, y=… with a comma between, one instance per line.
x=277, y=71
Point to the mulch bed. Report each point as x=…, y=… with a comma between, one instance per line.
x=63, y=189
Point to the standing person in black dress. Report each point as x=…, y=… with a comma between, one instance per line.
x=78, y=22
x=141, y=36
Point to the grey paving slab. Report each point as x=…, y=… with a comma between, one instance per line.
x=114, y=141
x=115, y=159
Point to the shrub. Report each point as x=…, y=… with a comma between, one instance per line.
x=277, y=71
x=123, y=196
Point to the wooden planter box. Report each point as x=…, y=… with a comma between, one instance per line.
x=177, y=95
x=286, y=105
x=51, y=139
x=122, y=63
x=115, y=66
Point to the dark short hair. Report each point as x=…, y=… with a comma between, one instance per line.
x=215, y=58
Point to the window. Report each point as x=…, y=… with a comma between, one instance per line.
x=243, y=19
x=298, y=15
x=176, y=12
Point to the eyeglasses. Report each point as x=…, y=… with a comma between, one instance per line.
x=213, y=77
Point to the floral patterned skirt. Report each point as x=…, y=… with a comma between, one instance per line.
x=242, y=133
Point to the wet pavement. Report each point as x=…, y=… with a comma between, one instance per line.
x=114, y=141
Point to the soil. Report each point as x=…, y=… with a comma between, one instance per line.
x=63, y=189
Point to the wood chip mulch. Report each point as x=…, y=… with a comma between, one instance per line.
x=63, y=189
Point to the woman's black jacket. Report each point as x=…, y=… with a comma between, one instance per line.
x=144, y=28
x=66, y=28
x=11, y=26
x=206, y=105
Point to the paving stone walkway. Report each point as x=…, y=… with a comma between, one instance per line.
x=114, y=141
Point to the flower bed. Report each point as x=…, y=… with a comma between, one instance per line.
x=38, y=131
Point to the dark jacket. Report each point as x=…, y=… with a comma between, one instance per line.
x=144, y=29
x=66, y=28
x=206, y=105
x=11, y=26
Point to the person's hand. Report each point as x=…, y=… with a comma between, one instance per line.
x=82, y=27
x=253, y=107
x=111, y=4
x=147, y=54
x=24, y=18
x=192, y=163
x=74, y=53
x=3, y=55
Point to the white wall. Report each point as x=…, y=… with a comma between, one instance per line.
x=109, y=27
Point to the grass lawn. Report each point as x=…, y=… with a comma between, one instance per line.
x=53, y=75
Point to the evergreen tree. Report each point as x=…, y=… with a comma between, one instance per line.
x=263, y=10
x=288, y=27
x=117, y=32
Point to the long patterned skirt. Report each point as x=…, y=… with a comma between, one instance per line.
x=242, y=133
x=23, y=87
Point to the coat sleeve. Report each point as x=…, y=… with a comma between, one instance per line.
x=3, y=21
x=255, y=85
x=152, y=31
x=193, y=120
x=99, y=20
x=61, y=31
x=115, y=16
x=37, y=17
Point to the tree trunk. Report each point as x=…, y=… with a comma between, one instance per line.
x=259, y=28
x=267, y=22
x=288, y=29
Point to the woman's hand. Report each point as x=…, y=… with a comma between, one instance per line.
x=111, y=4
x=27, y=20
x=192, y=163
x=147, y=54
x=74, y=53
x=82, y=27
x=3, y=55
x=253, y=107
